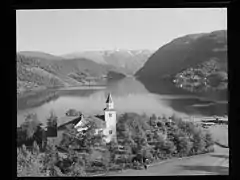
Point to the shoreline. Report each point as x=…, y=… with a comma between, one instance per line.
x=82, y=87
x=35, y=91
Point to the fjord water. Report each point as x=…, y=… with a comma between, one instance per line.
x=129, y=95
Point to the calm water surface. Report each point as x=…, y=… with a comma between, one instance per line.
x=129, y=95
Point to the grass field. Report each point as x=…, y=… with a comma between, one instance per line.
x=220, y=133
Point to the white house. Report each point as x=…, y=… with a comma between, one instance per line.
x=80, y=124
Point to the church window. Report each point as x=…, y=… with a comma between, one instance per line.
x=110, y=132
x=110, y=115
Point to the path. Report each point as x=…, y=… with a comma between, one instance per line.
x=216, y=163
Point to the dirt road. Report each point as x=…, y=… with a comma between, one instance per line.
x=216, y=163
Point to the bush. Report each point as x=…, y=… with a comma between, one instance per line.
x=182, y=142
x=197, y=138
x=169, y=147
x=209, y=139
x=29, y=164
x=184, y=146
x=198, y=142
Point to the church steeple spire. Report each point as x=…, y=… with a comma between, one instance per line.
x=109, y=102
x=109, y=98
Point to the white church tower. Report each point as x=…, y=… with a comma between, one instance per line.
x=110, y=119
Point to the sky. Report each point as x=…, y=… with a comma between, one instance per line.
x=60, y=32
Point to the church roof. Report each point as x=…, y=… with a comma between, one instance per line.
x=109, y=98
x=66, y=120
x=102, y=117
x=98, y=120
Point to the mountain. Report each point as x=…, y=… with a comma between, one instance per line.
x=38, y=54
x=195, y=62
x=96, y=56
x=127, y=61
x=37, y=72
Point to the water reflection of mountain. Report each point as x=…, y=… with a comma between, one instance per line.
x=77, y=92
x=36, y=99
x=126, y=86
x=199, y=107
x=190, y=99
x=167, y=87
x=43, y=97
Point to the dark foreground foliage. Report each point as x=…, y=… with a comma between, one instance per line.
x=140, y=140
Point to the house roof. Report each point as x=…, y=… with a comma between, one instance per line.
x=99, y=122
x=66, y=120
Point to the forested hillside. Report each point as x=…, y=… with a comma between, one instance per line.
x=193, y=62
x=40, y=73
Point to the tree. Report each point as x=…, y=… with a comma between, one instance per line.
x=112, y=147
x=106, y=157
x=184, y=146
x=52, y=125
x=153, y=120
x=158, y=144
x=77, y=164
x=50, y=160
x=169, y=147
x=29, y=131
x=36, y=148
x=198, y=141
x=30, y=125
x=209, y=142
x=28, y=163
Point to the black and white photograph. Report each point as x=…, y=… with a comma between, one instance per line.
x=122, y=92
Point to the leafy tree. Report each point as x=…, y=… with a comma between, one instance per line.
x=30, y=131
x=29, y=164
x=112, y=147
x=184, y=146
x=106, y=159
x=124, y=135
x=209, y=139
x=36, y=148
x=50, y=160
x=52, y=125
x=77, y=164
x=52, y=120
x=169, y=147
x=30, y=125
x=198, y=141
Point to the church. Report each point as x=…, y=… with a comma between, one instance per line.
x=106, y=123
